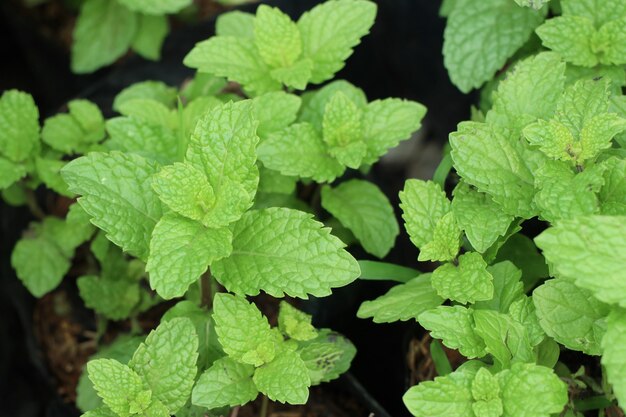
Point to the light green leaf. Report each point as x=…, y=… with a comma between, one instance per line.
x=423, y=204
x=294, y=323
x=586, y=248
x=609, y=41
x=388, y=122
x=223, y=147
x=481, y=36
x=40, y=264
x=524, y=381
x=285, y=379
x=402, y=302
x=613, y=356
x=48, y=170
x=505, y=339
x=19, y=125
x=10, y=172
x=571, y=37
x=468, y=282
x=571, y=315
x=534, y=4
x=611, y=195
x=180, y=251
x=299, y=151
x=330, y=31
x=156, y=7
x=89, y=117
x=327, y=356
x=343, y=130
x=271, y=181
x=482, y=220
x=151, y=32
x=363, y=208
x=235, y=58
x=104, y=31
x=151, y=90
x=296, y=76
x=150, y=111
x=100, y=412
x=276, y=37
x=521, y=250
x=153, y=142
x=116, y=193
x=225, y=383
x=446, y=395
x=118, y=385
x=275, y=111
x=236, y=23
x=63, y=133
x=485, y=385
x=242, y=330
x=601, y=11
x=115, y=299
x=496, y=163
x=166, y=362
x=507, y=287
x=454, y=325
x=524, y=312
x=446, y=241
x=203, y=85
x=314, y=102
x=303, y=259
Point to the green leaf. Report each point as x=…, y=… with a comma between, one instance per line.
x=600, y=12
x=77, y=131
x=48, y=170
x=388, y=122
x=505, y=339
x=156, y=7
x=585, y=248
x=488, y=158
x=521, y=250
x=507, y=287
x=89, y=117
x=613, y=357
x=203, y=85
x=151, y=32
x=446, y=241
x=116, y=193
x=314, y=102
x=530, y=91
x=524, y=312
x=485, y=385
x=571, y=315
x=10, y=172
x=446, y=395
x=275, y=111
x=223, y=147
x=118, y=385
x=608, y=43
x=363, y=208
x=276, y=37
x=285, y=379
x=294, y=323
x=468, y=282
x=534, y=4
x=482, y=220
x=166, y=362
x=131, y=135
x=236, y=23
x=454, y=325
x=383, y=271
x=402, y=302
x=611, y=195
x=571, y=37
x=343, y=130
x=300, y=151
x=180, y=252
x=296, y=76
x=235, y=58
x=329, y=32
x=151, y=90
x=524, y=381
x=19, y=125
x=151, y=111
x=327, y=356
x=481, y=36
x=423, y=204
x=100, y=412
x=104, y=31
x=115, y=299
x=225, y=383
x=242, y=330
x=303, y=259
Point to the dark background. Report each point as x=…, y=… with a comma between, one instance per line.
x=400, y=58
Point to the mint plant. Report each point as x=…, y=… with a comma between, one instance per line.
x=548, y=144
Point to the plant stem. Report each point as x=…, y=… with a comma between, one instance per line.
x=264, y=406
x=206, y=290
x=31, y=201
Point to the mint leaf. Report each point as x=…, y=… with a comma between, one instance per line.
x=131, y=135
x=10, y=172
x=388, y=122
x=118, y=385
x=609, y=42
x=223, y=147
x=481, y=36
x=524, y=312
x=468, y=282
x=294, y=323
x=402, y=302
x=446, y=395
x=613, y=358
x=446, y=241
x=166, y=362
x=585, y=248
x=455, y=327
x=571, y=315
x=314, y=102
x=343, y=130
x=242, y=330
x=482, y=220
x=151, y=111
x=521, y=250
x=156, y=7
x=48, y=171
x=365, y=211
x=275, y=111
x=236, y=23
x=180, y=251
x=285, y=379
x=235, y=58
x=152, y=90
x=151, y=32
x=225, y=383
x=77, y=131
x=488, y=158
x=507, y=287
x=571, y=37
x=113, y=298
x=296, y=76
x=19, y=125
x=327, y=356
x=524, y=381
x=614, y=187
x=100, y=412
x=329, y=32
x=103, y=32
x=299, y=151
x=505, y=339
x=276, y=37
x=303, y=259
x=116, y=193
